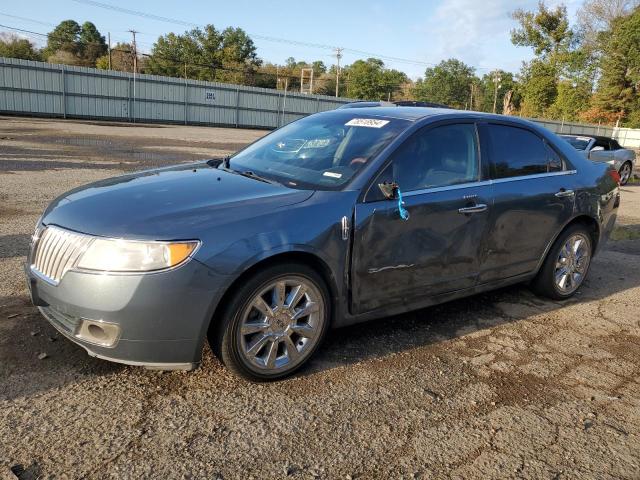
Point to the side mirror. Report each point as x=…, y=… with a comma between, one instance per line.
x=389, y=190
x=597, y=149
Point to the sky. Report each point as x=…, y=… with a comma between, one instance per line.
x=423, y=32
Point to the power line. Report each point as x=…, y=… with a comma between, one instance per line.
x=46, y=24
x=194, y=64
x=24, y=31
x=184, y=23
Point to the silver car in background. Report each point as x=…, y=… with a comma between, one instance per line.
x=605, y=149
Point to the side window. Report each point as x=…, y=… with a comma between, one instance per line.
x=515, y=151
x=436, y=157
x=555, y=163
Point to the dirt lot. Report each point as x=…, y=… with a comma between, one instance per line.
x=501, y=385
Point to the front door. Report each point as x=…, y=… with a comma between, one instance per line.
x=438, y=248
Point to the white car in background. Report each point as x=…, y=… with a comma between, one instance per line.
x=605, y=149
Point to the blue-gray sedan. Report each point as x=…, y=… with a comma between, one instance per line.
x=337, y=218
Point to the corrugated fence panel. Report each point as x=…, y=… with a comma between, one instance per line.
x=58, y=90
x=36, y=88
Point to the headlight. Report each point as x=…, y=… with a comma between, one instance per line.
x=133, y=256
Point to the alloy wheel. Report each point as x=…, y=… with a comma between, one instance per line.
x=281, y=324
x=625, y=173
x=572, y=263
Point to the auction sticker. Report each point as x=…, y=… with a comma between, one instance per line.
x=366, y=122
x=332, y=174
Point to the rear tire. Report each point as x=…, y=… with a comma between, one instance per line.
x=625, y=172
x=273, y=323
x=566, y=265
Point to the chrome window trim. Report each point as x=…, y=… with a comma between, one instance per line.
x=482, y=183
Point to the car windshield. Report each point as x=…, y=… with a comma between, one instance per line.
x=323, y=151
x=579, y=143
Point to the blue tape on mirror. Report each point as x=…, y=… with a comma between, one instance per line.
x=404, y=214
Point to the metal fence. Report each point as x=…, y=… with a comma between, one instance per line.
x=627, y=137
x=36, y=88
x=45, y=89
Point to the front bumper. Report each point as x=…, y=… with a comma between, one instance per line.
x=161, y=318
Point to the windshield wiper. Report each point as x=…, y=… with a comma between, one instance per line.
x=255, y=176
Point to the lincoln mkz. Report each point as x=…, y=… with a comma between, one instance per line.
x=337, y=218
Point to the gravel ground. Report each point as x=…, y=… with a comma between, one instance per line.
x=500, y=385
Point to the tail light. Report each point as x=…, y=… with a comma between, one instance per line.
x=613, y=173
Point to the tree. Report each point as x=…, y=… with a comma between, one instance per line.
x=12, y=46
x=91, y=45
x=538, y=86
x=619, y=85
x=546, y=31
x=448, y=83
x=72, y=44
x=597, y=16
x=64, y=37
x=121, y=58
x=206, y=54
x=487, y=90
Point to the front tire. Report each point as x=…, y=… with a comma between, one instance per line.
x=566, y=265
x=273, y=323
x=625, y=173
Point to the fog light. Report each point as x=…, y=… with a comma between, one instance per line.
x=98, y=333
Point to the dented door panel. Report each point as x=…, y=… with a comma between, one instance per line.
x=437, y=250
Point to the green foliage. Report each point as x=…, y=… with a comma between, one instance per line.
x=619, y=85
x=449, y=83
x=121, y=58
x=12, y=46
x=205, y=54
x=538, y=86
x=64, y=37
x=370, y=80
x=487, y=90
x=91, y=44
x=546, y=31
x=73, y=44
x=570, y=100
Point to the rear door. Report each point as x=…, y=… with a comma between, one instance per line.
x=437, y=249
x=533, y=188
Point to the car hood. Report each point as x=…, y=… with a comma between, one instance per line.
x=167, y=204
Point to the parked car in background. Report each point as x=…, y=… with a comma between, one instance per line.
x=605, y=149
x=337, y=218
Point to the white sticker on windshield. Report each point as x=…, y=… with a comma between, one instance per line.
x=586, y=139
x=366, y=122
x=332, y=174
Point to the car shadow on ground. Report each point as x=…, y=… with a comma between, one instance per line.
x=35, y=358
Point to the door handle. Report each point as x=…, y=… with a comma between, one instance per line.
x=480, y=207
x=565, y=193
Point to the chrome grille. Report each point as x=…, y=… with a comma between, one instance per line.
x=56, y=251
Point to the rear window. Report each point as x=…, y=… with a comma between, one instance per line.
x=515, y=152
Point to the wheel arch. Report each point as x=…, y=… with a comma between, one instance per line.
x=309, y=259
x=592, y=225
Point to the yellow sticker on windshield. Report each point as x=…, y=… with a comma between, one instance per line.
x=366, y=122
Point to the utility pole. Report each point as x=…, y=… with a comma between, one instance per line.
x=135, y=52
x=109, y=37
x=338, y=53
x=135, y=71
x=496, y=85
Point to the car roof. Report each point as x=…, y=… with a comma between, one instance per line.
x=418, y=113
